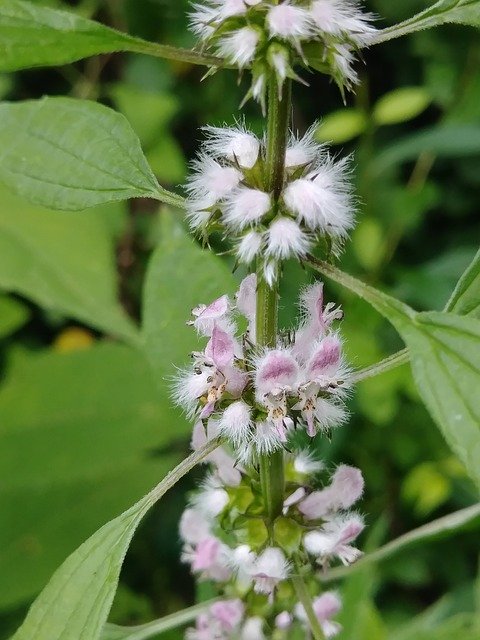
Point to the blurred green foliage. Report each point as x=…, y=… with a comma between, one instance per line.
x=85, y=428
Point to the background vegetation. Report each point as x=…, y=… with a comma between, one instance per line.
x=84, y=430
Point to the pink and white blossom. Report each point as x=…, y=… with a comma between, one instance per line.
x=214, y=314
x=270, y=568
x=346, y=487
x=334, y=538
x=325, y=607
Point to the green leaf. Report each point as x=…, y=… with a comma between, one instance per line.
x=94, y=434
x=13, y=315
x=465, y=299
x=61, y=37
x=72, y=154
x=341, y=126
x=152, y=629
x=62, y=262
x=401, y=105
x=447, y=141
x=441, y=528
x=445, y=357
x=150, y=114
x=183, y=275
x=76, y=601
x=442, y=12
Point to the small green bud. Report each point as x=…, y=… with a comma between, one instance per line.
x=287, y=534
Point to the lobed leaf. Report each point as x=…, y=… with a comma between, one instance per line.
x=35, y=36
x=443, y=12
x=76, y=601
x=73, y=154
x=445, y=356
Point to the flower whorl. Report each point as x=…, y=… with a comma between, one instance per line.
x=322, y=34
x=227, y=193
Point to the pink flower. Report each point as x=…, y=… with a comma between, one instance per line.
x=225, y=465
x=325, y=607
x=228, y=613
x=209, y=559
x=345, y=489
x=275, y=370
x=209, y=316
x=270, y=568
x=333, y=540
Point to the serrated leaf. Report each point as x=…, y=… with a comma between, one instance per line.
x=445, y=356
x=400, y=105
x=442, y=12
x=465, y=299
x=33, y=36
x=76, y=601
x=94, y=431
x=185, y=275
x=63, y=263
x=72, y=154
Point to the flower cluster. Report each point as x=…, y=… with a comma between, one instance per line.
x=227, y=193
x=323, y=34
x=257, y=398
x=227, y=541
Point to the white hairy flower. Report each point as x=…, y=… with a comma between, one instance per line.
x=239, y=47
x=233, y=143
x=342, y=18
x=322, y=199
x=245, y=207
x=249, y=246
x=235, y=422
x=289, y=22
x=270, y=568
x=303, y=151
x=211, y=181
x=212, y=499
x=285, y=239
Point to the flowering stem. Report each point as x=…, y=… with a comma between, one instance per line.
x=304, y=597
x=279, y=108
x=272, y=476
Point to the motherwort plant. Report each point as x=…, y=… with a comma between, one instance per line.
x=269, y=518
x=269, y=514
